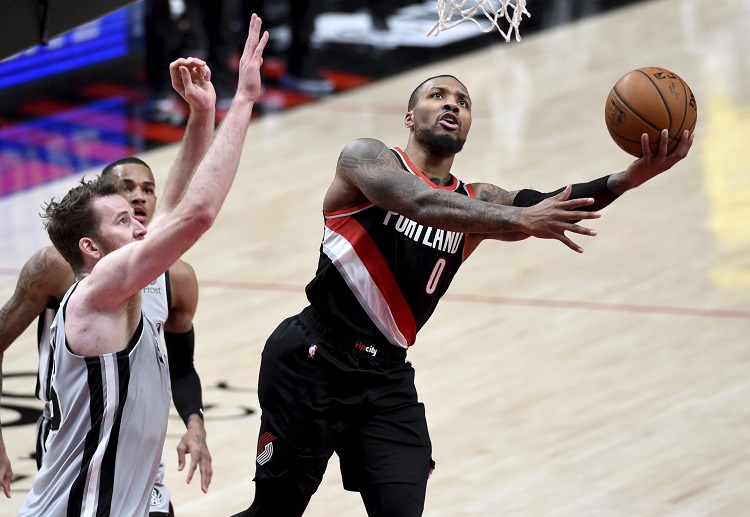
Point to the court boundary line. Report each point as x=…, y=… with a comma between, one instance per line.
x=516, y=301
x=495, y=300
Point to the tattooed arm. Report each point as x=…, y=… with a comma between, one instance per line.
x=46, y=276
x=603, y=191
x=367, y=171
x=493, y=194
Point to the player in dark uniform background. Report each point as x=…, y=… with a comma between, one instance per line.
x=170, y=303
x=398, y=225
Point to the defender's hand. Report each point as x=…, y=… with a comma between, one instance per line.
x=248, y=87
x=191, y=78
x=194, y=443
x=6, y=471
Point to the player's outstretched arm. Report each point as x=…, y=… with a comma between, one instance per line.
x=191, y=79
x=122, y=273
x=45, y=276
x=179, y=337
x=603, y=190
x=608, y=188
x=368, y=171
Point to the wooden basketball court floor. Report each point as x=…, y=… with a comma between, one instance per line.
x=612, y=383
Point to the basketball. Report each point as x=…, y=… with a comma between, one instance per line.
x=648, y=100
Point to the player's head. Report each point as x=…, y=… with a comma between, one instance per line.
x=137, y=185
x=92, y=220
x=439, y=114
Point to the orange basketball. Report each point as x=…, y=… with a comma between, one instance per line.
x=648, y=100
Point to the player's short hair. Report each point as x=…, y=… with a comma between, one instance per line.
x=73, y=218
x=109, y=168
x=415, y=94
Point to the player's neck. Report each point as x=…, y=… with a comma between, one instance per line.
x=436, y=168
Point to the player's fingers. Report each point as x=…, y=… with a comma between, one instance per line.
x=685, y=143
x=645, y=149
x=180, y=457
x=570, y=244
x=261, y=47
x=195, y=61
x=582, y=214
x=206, y=472
x=664, y=142
x=572, y=204
x=582, y=230
x=187, y=79
x=562, y=196
x=6, y=486
x=174, y=72
x=191, y=469
x=253, y=34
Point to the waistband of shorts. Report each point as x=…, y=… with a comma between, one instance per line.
x=347, y=343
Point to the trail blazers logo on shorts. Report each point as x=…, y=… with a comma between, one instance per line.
x=265, y=448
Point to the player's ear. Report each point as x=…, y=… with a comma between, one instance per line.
x=89, y=248
x=409, y=119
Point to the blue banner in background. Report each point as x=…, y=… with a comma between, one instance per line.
x=110, y=37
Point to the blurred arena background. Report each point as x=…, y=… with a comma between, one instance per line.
x=608, y=384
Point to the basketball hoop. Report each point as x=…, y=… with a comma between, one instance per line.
x=496, y=13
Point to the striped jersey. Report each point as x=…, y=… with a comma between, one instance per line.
x=156, y=299
x=380, y=275
x=108, y=417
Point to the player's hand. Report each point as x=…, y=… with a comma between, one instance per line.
x=552, y=217
x=248, y=87
x=194, y=443
x=653, y=164
x=6, y=471
x=191, y=78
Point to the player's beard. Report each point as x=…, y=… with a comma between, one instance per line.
x=439, y=142
x=106, y=247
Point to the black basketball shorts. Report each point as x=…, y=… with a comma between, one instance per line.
x=321, y=392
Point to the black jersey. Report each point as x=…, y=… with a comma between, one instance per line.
x=380, y=274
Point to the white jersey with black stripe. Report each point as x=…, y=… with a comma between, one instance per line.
x=108, y=424
x=155, y=300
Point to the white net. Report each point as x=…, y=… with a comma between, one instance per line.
x=501, y=15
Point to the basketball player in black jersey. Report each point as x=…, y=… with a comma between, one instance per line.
x=398, y=225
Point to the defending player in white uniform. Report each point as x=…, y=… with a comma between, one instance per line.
x=108, y=417
x=110, y=380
